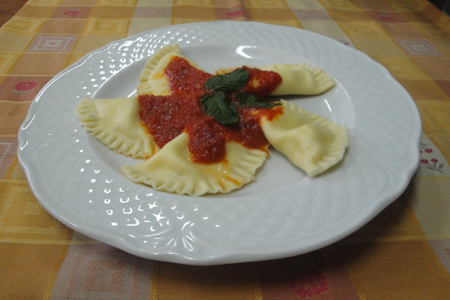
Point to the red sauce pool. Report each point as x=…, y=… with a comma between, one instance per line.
x=166, y=117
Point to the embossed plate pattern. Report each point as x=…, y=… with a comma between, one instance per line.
x=283, y=213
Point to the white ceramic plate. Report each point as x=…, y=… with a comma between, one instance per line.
x=283, y=213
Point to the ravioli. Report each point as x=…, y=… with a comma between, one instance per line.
x=115, y=123
x=153, y=61
x=311, y=142
x=172, y=170
x=153, y=79
x=297, y=79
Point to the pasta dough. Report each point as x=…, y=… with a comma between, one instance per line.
x=297, y=79
x=153, y=61
x=115, y=123
x=153, y=79
x=172, y=170
x=301, y=79
x=311, y=142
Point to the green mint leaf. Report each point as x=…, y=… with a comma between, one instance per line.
x=249, y=100
x=232, y=81
x=220, y=108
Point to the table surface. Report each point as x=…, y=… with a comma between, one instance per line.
x=403, y=253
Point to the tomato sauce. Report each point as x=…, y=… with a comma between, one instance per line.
x=166, y=117
x=261, y=83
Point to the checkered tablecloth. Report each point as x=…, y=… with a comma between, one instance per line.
x=404, y=253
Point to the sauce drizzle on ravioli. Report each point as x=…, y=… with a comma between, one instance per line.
x=165, y=117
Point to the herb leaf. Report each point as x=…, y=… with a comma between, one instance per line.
x=232, y=81
x=220, y=108
x=249, y=100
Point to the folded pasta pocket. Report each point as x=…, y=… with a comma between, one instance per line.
x=115, y=123
x=297, y=79
x=172, y=170
x=311, y=142
x=153, y=79
x=153, y=61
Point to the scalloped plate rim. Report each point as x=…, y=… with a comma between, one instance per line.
x=237, y=255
